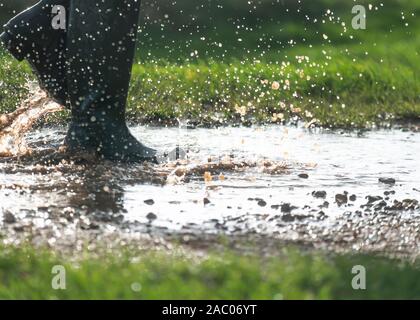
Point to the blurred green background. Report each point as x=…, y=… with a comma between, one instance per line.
x=201, y=59
x=188, y=29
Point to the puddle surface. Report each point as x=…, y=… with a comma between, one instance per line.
x=309, y=186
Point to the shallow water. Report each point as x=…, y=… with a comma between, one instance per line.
x=252, y=199
x=334, y=163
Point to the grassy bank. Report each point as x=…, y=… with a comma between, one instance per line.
x=27, y=274
x=340, y=94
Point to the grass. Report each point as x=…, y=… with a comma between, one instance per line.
x=330, y=75
x=26, y=273
x=225, y=64
x=13, y=79
x=340, y=94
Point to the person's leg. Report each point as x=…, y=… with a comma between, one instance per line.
x=31, y=36
x=101, y=46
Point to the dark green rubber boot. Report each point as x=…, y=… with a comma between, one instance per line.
x=31, y=36
x=101, y=46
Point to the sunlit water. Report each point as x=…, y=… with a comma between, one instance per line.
x=13, y=126
x=334, y=162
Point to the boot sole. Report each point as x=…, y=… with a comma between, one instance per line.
x=8, y=42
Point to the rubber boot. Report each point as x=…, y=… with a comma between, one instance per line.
x=101, y=46
x=31, y=36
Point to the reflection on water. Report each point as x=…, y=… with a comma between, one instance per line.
x=233, y=175
x=347, y=164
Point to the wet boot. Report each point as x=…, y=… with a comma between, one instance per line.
x=31, y=36
x=101, y=46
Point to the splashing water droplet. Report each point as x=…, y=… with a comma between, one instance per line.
x=13, y=126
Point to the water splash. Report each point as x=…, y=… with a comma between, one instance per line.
x=14, y=125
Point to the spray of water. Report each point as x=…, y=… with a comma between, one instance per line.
x=13, y=126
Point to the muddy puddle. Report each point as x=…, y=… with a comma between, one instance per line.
x=342, y=191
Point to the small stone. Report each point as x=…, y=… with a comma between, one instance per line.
x=149, y=202
x=287, y=218
x=380, y=205
x=326, y=204
x=262, y=203
x=9, y=217
x=372, y=199
x=341, y=199
x=353, y=197
x=206, y=201
x=410, y=204
x=303, y=176
x=286, y=208
x=319, y=194
x=322, y=214
x=389, y=181
x=151, y=216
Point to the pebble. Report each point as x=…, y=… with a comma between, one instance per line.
x=326, y=204
x=286, y=208
x=287, y=218
x=319, y=194
x=303, y=176
x=407, y=204
x=151, y=216
x=262, y=203
x=389, y=181
x=341, y=199
x=373, y=199
x=149, y=202
x=9, y=217
x=380, y=205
